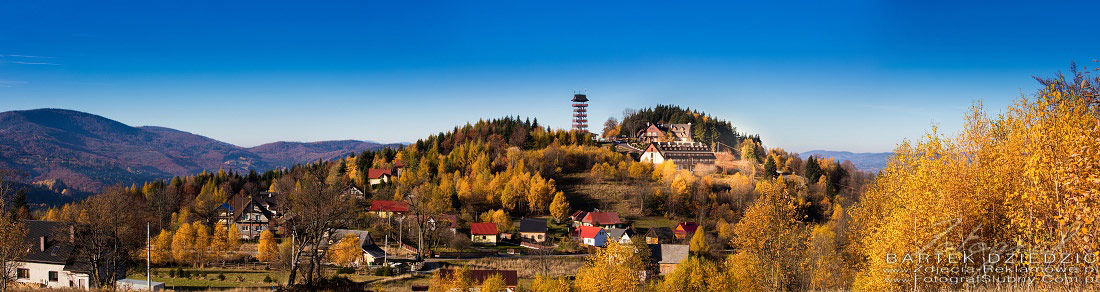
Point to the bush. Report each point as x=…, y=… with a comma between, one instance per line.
x=268, y=279
x=345, y=270
x=221, y=277
x=386, y=271
x=171, y=273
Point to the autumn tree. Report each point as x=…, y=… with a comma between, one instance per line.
x=162, y=248
x=12, y=234
x=494, y=283
x=109, y=232
x=346, y=251
x=266, y=250
x=559, y=208
x=319, y=207
x=616, y=267
x=698, y=245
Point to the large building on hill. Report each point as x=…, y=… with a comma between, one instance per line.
x=665, y=133
x=686, y=156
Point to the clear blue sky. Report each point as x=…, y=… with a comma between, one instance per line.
x=857, y=76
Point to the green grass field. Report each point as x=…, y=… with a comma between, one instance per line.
x=203, y=279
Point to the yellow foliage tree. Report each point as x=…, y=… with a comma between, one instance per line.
x=219, y=241
x=162, y=248
x=233, y=239
x=616, y=267
x=544, y=283
x=693, y=274
x=494, y=283
x=698, y=244
x=183, y=243
x=202, y=245
x=346, y=251
x=267, y=250
x=559, y=208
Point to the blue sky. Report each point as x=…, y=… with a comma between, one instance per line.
x=853, y=75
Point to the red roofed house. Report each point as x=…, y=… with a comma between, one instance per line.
x=484, y=232
x=387, y=209
x=378, y=176
x=592, y=235
x=477, y=277
x=685, y=229
x=603, y=219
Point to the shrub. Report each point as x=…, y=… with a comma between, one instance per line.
x=345, y=270
x=171, y=273
x=221, y=277
x=385, y=271
x=268, y=279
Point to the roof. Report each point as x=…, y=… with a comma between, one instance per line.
x=669, y=253
x=589, y=231
x=243, y=205
x=677, y=149
x=580, y=97
x=58, y=248
x=619, y=232
x=483, y=228
x=535, y=225
x=578, y=216
x=375, y=173
x=688, y=227
x=661, y=233
x=389, y=206
x=511, y=278
x=602, y=218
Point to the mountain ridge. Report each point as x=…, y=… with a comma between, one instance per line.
x=89, y=152
x=864, y=161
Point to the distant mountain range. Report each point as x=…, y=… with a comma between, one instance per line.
x=870, y=162
x=87, y=152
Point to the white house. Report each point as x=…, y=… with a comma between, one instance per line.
x=377, y=176
x=49, y=262
x=621, y=235
x=593, y=236
x=685, y=155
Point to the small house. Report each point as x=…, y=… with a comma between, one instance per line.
x=660, y=235
x=668, y=256
x=593, y=236
x=387, y=208
x=484, y=232
x=620, y=235
x=603, y=219
x=533, y=229
x=377, y=176
x=50, y=260
x=685, y=230
x=577, y=217
x=372, y=254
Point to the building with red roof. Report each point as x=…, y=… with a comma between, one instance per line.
x=603, y=219
x=592, y=235
x=484, y=232
x=685, y=229
x=387, y=208
x=378, y=175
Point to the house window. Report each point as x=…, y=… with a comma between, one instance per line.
x=245, y=228
x=53, y=276
x=22, y=273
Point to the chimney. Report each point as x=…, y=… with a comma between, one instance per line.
x=42, y=243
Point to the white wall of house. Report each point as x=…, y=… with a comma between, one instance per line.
x=599, y=240
x=382, y=179
x=652, y=157
x=40, y=273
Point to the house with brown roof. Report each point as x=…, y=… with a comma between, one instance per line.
x=388, y=208
x=660, y=235
x=251, y=214
x=603, y=219
x=371, y=253
x=484, y=232
x=577, y=217
x=477, y=277
x=592, y=236
x=658, y=132
x=685, y=230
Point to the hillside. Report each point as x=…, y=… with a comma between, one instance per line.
x=88, y=152
x=870, y=162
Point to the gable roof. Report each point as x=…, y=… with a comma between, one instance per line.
x=589, y=231
x=669, y=253
x=602, y=218
x=661, y=233
x=619, y=232
x=375, y=173
x=687, y=227
x=388, y=206
x=483, y=228
x=57, y=249
x=247, y=205
x=578, y=216
x=534, y=225
x=511, y=278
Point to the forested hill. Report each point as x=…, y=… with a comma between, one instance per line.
x=707, y=129
x=88, y=152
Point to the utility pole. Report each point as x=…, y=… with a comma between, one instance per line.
x=148, y=259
